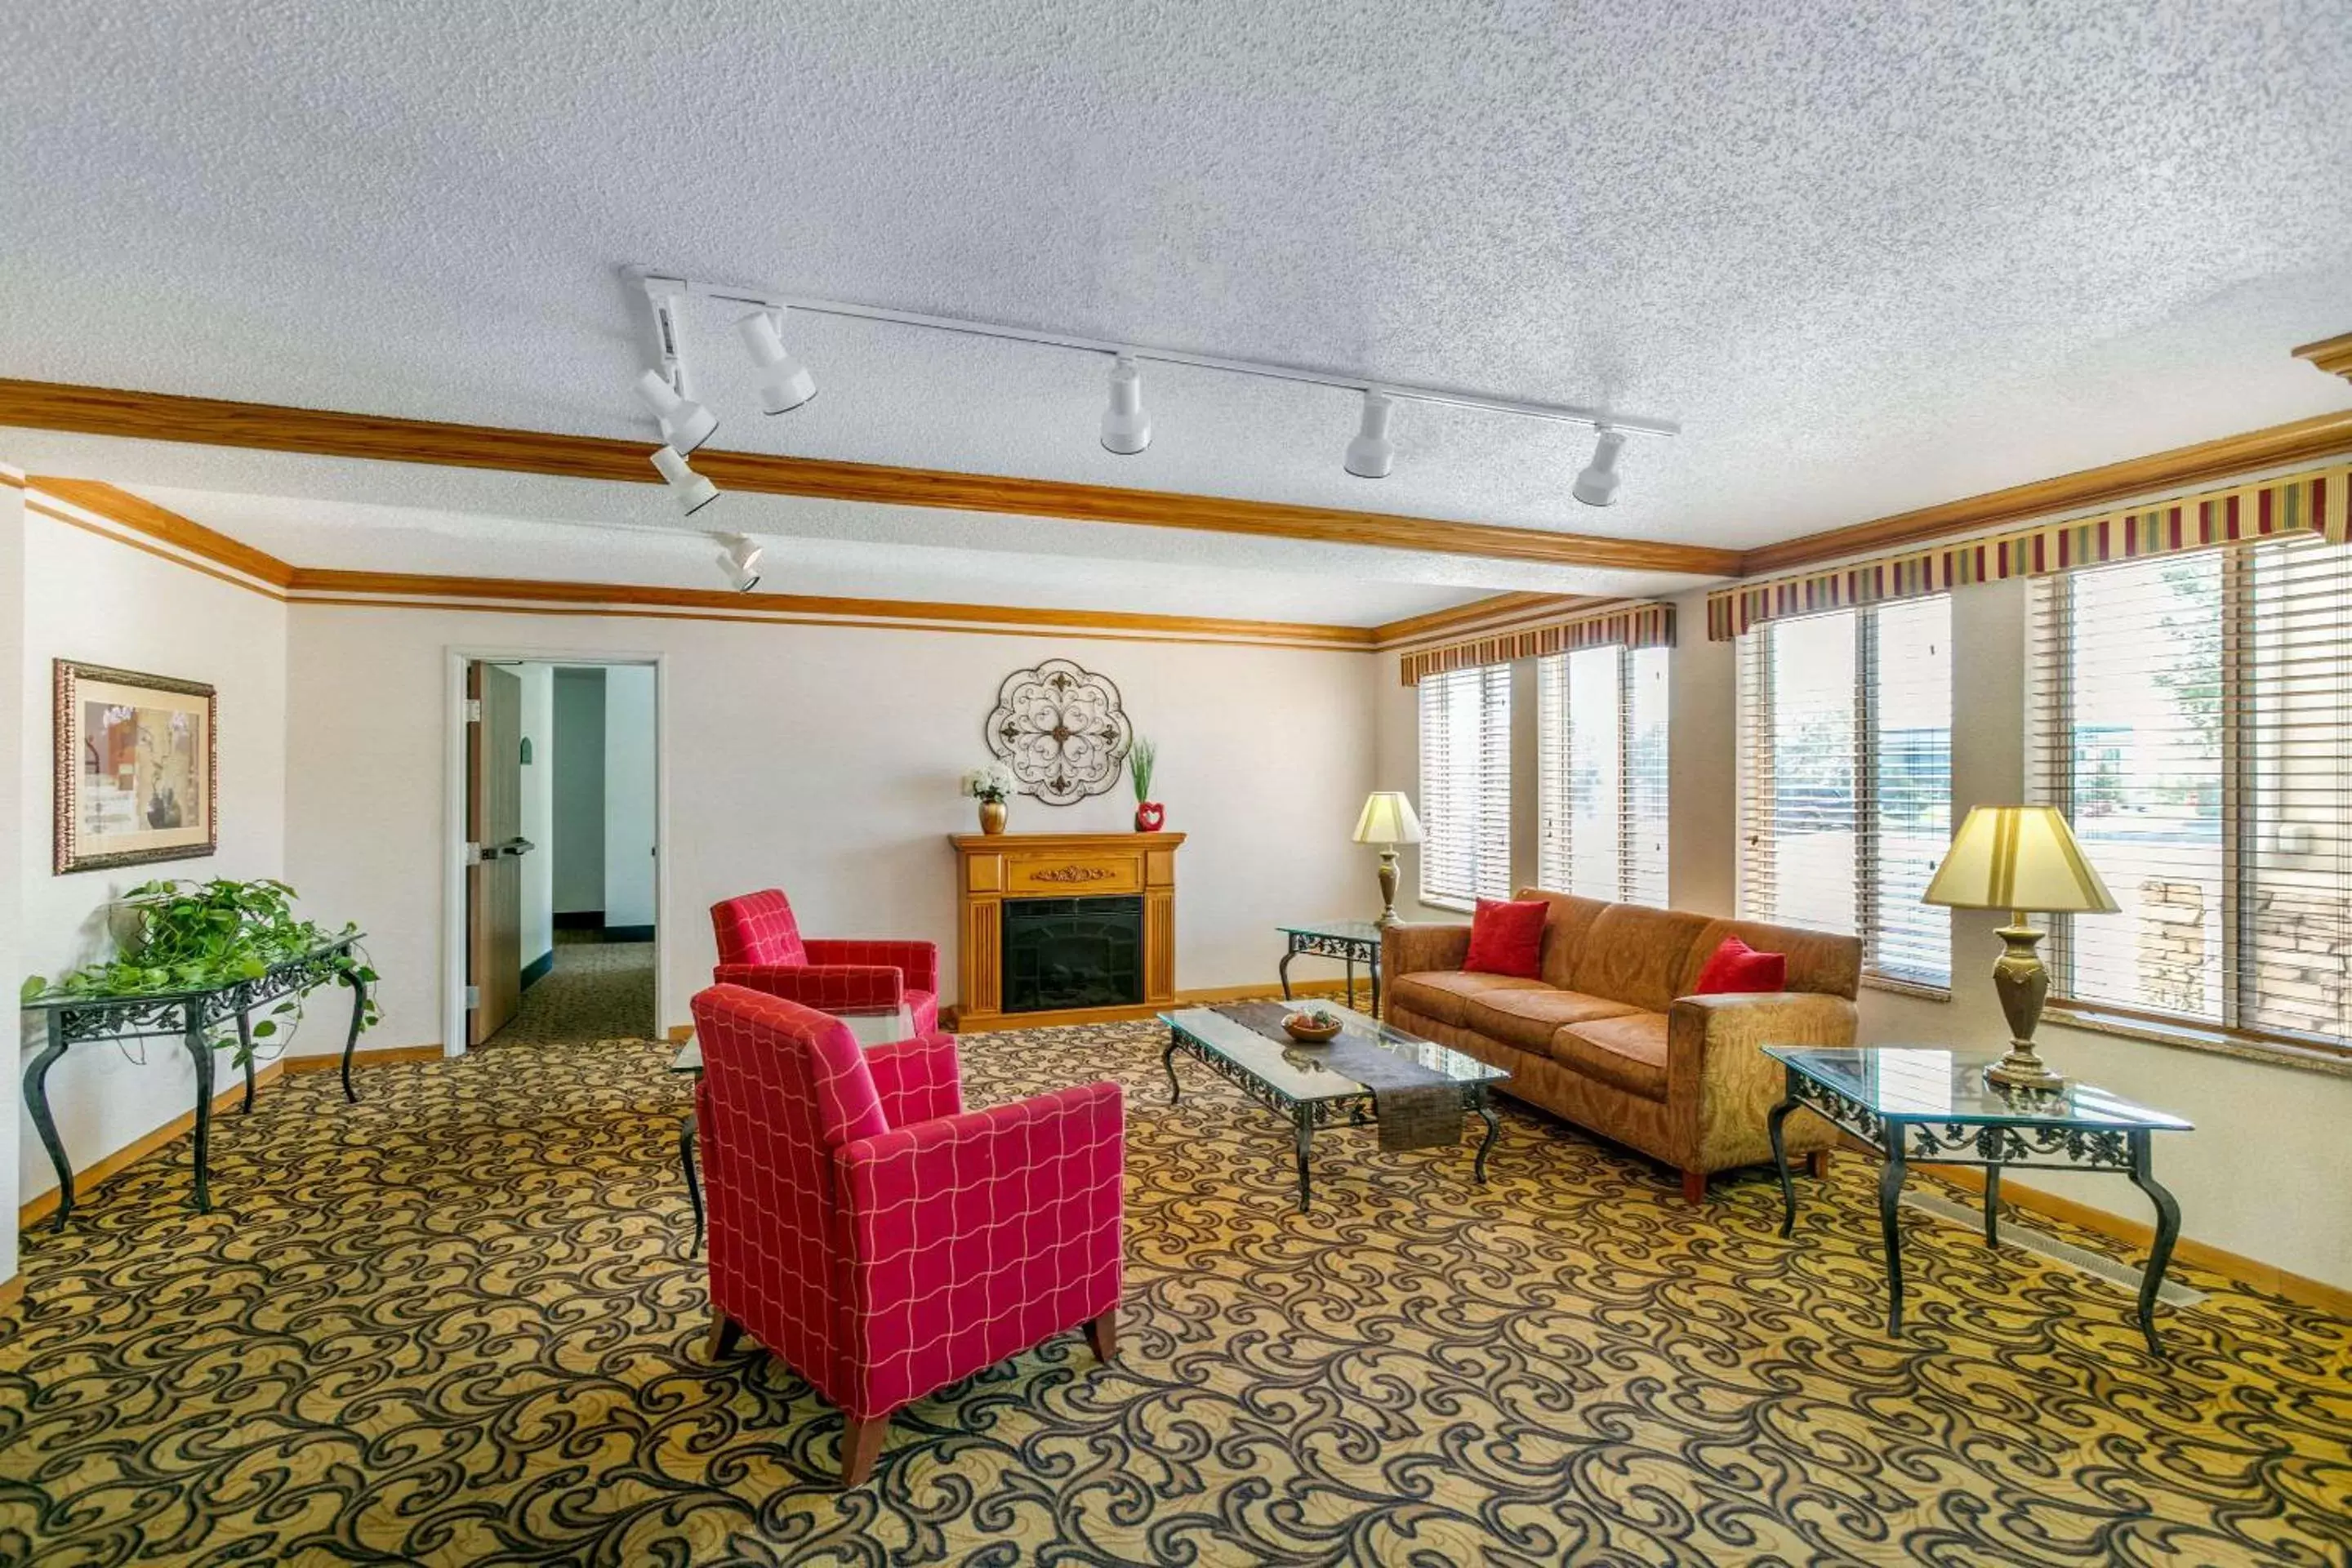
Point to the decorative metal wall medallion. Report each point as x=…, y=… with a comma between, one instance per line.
x=1061, y=730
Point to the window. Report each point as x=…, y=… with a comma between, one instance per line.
x=2193, y=717
x=1465, y=786
x=1845, y=779
x=1601, y=736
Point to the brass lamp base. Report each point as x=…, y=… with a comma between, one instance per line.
x=1388, y=888
x=2022, y=984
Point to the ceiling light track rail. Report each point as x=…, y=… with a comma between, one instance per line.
x=662, y=287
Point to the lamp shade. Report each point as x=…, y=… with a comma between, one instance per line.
x=2017, y=858
x=1388, y=818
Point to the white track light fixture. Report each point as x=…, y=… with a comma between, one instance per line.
x=684, y=424
x=784, y=382
x=690, y=489
x=1126, y=428
x=739, y=559
x=1372, y=454
x=1597, y=485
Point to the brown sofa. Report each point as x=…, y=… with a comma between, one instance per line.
x=1609, y=1039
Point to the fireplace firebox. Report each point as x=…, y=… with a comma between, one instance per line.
x=1073, y=952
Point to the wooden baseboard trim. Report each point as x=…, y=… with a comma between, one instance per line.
x=378, y=1056
x=998, y=1022
x=2249, y=1271
x=95, y=1174
x=11, y=1292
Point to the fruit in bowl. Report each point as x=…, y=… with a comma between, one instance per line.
x=1313, y=1025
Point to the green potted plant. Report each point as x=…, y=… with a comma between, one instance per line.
x=177, y=936
x=1141, y=757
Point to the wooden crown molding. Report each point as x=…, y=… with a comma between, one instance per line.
x=2332, y=355
x=162, y=417
x=2322, y=436
x=404, y=590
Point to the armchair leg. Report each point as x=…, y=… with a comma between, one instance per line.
x=1695, y=1187
x=861, y=1445
x=1818, y=1163
x=724, y=1333
x=1102, y=1334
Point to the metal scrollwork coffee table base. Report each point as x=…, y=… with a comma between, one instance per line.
x=1933, y=1105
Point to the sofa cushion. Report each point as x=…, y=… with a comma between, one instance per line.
x=1820, y=961
x=1442, y=993
x=1507, y=938
x=1564, y=929
x=1627, y=1052
x=1736, y=967
x=1637, y=954
x=1528, y=1019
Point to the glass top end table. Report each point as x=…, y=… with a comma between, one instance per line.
x=1933, y=1105
x=1351, y=942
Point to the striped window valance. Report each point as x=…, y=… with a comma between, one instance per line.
x=1627, y=626
x=2315, y=501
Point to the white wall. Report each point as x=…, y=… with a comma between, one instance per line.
x=823, y=760
x=576, y=850
x=538, y=810
x=12, y=828
x=111, y=603
x=630, y=753
x=2265, y=1135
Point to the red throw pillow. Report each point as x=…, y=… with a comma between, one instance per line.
x=1736, y=966
x=1506, y=937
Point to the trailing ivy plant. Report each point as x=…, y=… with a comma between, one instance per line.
x=192, y=936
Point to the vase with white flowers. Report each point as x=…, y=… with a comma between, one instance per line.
x=991, y=786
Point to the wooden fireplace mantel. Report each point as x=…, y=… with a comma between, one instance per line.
x=994, y=867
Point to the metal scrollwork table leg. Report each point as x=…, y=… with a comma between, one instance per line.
x=245, y=1053
x=1284, y=970
x=1890, y=1199
x=1992, y=1204
x=2168, y=1231
x=685, y=1136
x=1168, y=1066
x=37, y=1101
x=200, y=1051
x=1772, y=1124
x=1306, y=1125
x=352, y=1037
x=1494, y=1131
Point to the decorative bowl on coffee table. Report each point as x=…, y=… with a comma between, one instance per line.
x=1311, y=1029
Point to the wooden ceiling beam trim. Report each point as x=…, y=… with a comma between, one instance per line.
x=2322, y=436
x=165, y=526
x=1480, y=614
x=2332, y=355
x=164, y=416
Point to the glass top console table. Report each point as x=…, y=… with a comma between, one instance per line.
x=1934, y=1106
x=1349, y=942
x=190, y=1017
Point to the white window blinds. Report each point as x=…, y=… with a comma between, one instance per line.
x=1465, y=786
x=1602, y=773
x=1845, y=779
x=2192, y=716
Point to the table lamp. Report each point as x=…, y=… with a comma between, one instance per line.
x=1388, y=821
x=2019, y=858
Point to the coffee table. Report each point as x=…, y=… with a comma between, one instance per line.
x=1292, y=1081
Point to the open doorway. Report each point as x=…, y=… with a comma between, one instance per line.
x=560, y=885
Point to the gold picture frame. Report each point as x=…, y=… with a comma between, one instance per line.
x=138, y=768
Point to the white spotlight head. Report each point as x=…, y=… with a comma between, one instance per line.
x=684, y=424
x=740, y=560
x=1372, y=454
x=1126, y=428
x=784, y=382
x=690, y=489
x=1597, y=485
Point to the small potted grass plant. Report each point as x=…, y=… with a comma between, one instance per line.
x=1150, y=815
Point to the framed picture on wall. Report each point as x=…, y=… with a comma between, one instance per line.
x=138, y=768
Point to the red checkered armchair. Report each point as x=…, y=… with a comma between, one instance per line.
x=876, y=1235
x=761, y=946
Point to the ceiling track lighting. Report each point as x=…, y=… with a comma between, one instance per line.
x=1372, y=454
x=739, y=558
x=784, y=382
x=1597, y=485
x=690, y=489
x=1126, y=428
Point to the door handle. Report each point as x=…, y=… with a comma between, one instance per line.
x=513, y=848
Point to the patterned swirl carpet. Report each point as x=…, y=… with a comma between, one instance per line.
x=457, y=1324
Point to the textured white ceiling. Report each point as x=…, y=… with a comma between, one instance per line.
x=1873, y=256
